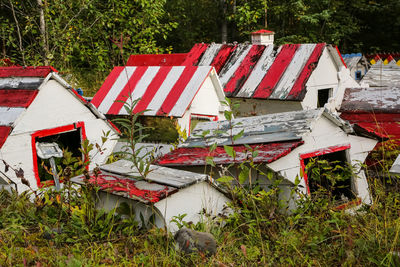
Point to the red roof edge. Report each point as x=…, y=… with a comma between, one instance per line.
x=340, y=55
x=175, y=59
x=263, y=31
x=4, y=133
x=18, y=71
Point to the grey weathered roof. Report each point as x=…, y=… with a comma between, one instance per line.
x=158, y=174
x=376, y=99
x=351, y=62
x=383, y=75
x=278, y=127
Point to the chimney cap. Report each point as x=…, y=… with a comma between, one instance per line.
x=263, y=32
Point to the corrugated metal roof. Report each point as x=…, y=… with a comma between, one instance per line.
x=278, y=127
x=258, y=71
x=383, y=75
x=196, y=156
x=18, y=88
x=372, y=99
x=163, y=90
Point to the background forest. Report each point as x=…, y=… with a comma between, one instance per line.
x=86, y=38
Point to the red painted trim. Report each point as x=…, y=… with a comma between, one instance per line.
x=4, y=133
x=49, y=132
x=106, y=86
x=299, y=87
x=78, y=96
x=176, y=91
x=17, y=71
x=195, y=54
x=214, y=118
x=340, y=55
x=219, y=61
x=175, y=59
x=115, y=127
x=350, y=204
x=17, y=97
x=243, y=71
x=263, y=31
x=316, y=153
x=126, y=92
x=371, y=117
x=152, y=89
x=275, y=72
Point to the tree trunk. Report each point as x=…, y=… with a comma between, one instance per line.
x=224, y=26
x=45, y=45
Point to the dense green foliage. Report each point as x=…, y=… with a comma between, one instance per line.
x=86, y=38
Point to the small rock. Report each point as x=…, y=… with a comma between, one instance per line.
x=189, y=241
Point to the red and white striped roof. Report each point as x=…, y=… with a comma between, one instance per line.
x=161, y=90
x=18, y=88
x=259, y=71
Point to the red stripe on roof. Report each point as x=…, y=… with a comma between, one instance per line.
x=195, y=54
x=371, y=117
x=244, y=70
x=17, y=97
x=127, y=90
x=383, y=129
x=4, y=133
x=152, y=89
x=297, y=92
x=275, y=72
x=15, y=71
x=108, y=83
x=157, y=59
x=177, y=90
x=196, y=156
x=222, y=56
x=340, y=55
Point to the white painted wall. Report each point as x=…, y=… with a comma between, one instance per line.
x=54, y=106
x=191, y=201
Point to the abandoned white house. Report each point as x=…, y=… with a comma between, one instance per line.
x=160, y=196
x=285, y=143
x=268, y=80
x=382, y=73
x=37, y=106
x=184, y=93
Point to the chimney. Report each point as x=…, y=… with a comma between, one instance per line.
x=262, y=37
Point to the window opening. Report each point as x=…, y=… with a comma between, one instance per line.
x=323, y=97
x=330, y=173
x=358, y=75
x=195, y=119
x=67, y=141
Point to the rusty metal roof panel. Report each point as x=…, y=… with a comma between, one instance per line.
x=120, y=185
x=196, y=156
x=372, y=99
x=162, y=90
x=279, y=127
x=383, y=75
x=158, y=174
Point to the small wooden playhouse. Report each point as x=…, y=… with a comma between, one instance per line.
x=284, y=142
x=38, y=106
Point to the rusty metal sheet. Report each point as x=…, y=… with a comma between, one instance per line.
x=131, y=188
x=9, y=115
x=195, y=156
x=382, y=75
x=21, y=82
x=260, y=129
x=373, y=99
x=158, y=174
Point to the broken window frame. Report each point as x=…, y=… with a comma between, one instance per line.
x=49, y=132
x=320, y=152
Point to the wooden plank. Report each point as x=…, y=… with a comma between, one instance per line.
x=176, y=91
x=32, y=83
x=164, y=90
x=9, y=115
x=258, y=73
x=195, y=54
x=26, y=71
x=191, y=89
x=275, y=72
x=298, y=90
x=244, y=70
x=17, y=98
x=211, y=52
x=233, y=63
x=115, y=88
x=292, y=72
x=106, y=86
x=223, y=55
